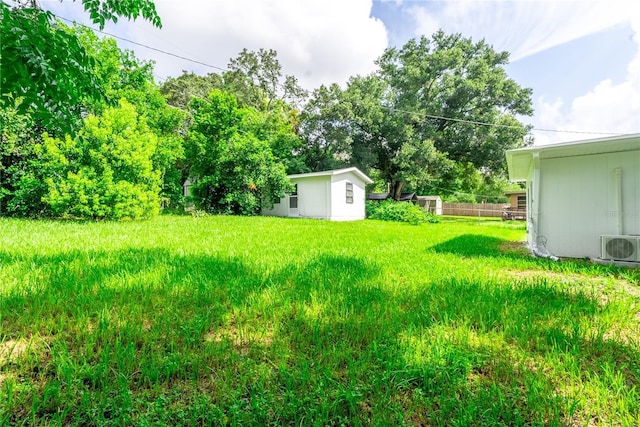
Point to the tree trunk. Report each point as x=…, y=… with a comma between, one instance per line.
x=396, y=189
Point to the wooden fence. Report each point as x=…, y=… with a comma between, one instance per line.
x=474, y=209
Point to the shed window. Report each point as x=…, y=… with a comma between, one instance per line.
x=349, y=192
x=522, y=203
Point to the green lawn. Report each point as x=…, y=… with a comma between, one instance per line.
x=258, y=321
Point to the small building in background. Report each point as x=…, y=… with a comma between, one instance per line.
x=583, y=197
x=432, y=204
x=517, y=199
x=517, y=208
x=336, y=195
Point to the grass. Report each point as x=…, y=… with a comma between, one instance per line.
x=272, y=321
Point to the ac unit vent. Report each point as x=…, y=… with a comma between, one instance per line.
x=621, y=248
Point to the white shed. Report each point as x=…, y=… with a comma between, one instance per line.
x=337, y=195
x=583, y=197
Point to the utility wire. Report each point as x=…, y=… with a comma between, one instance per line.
x=142, y=45
x=431, y=116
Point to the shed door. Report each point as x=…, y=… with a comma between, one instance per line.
x=293, y=202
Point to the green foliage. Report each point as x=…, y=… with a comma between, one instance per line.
x=180, y=90
x=45, y=66
x=231, y=159
x=122, y=76
x=102, y=11
x=325, y=131
x=451, y=76
x=22, y=171
x=119, y=75
x=107, y=171
x=390, y=210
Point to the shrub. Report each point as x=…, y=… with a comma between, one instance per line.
x=106, y=171
x=390, y=210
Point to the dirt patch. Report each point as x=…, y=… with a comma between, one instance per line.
x=12, y=349
x=514, y=248
x=242, y=337
x=603, y=286
x=5, y=377
x=602, y=289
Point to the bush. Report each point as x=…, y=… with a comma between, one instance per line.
x=106, y=171
x=390, y=210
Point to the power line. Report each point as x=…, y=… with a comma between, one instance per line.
x=431, y=116
x=385, y=107
x=143, y=45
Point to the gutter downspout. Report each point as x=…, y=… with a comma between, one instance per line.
x=618, y=184
x=538, y=243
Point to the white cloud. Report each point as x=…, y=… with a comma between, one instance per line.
x=426, y=23
x=522, y=27
x=318, y=41
x=608, y=107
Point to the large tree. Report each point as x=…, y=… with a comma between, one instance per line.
x=257, y=80
x=433, y=108
x=449, y=84
x=325, y=129
x=232, y=162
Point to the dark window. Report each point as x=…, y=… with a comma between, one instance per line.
x=349, y=192
x=522, y=203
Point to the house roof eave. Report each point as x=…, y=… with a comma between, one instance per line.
x=520, y=160
x=354, y=170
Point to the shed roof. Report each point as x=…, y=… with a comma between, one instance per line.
x=377, y=196
x=520, y=160
x=407, y=197
x=354, y=170
x=428, y=197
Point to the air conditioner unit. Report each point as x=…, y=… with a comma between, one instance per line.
x=620, y=248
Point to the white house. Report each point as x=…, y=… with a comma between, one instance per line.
x=583, y=197
x=337, y=195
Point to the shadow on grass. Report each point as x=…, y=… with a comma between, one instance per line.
x=482, y=246
x=149, y=335
x=472, y=245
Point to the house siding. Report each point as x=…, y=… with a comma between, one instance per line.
x=578, y=201
x=279, y=209
x=312, y=197
x=340, y=209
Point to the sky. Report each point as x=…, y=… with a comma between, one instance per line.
x=581, y=58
